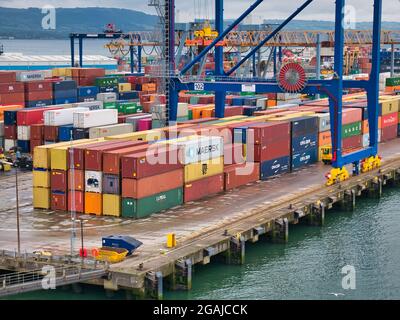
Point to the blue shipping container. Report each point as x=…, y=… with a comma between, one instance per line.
x=108, y=89
x=65, y=133
x=249, y=110
x=87, y=91
x=79, y=133
x=130, y=95
x=275, y=167
x=304, y=125
x=65, y=100
x=237, y=101
x=10, y=117
x=24, y=145
x=64, y=85
x=38, y=104
x=64, y=94
x=305, y=158
x=303, y=143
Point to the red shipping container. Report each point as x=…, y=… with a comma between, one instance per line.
x=122, y=118
x=112, y=159
x=32, y=86
x=94, y=155
x=351, y=115
x=269, y=132
x=76, y=159
x=389, y=133
x=231, y=111
x=91, y=72
x=59, y=180
x=352, y=142
x=76, y=180
x=12, y=98
x=28, y=117
x=233, y=154
x=16, y=87
x=59, y=202
x=272, y=150
x=390, y=120
x=142, y=188
x=203, y=188
x=37, y=132
x=50, y=133
x=8, y=76
x=35, y=143
x=241, y=174
x=76, y=201
x=141, y=165
x=10, y=132
x=38, y=95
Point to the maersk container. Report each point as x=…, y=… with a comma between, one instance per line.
x=302, y=143
x=93, y=181
x=305, y=158
x=31, y=75
x=143, y=208
x=106, y=131
x=107, y=97
x=274, y=167
x=65, y=132
x=95, y=118
x=61, y=117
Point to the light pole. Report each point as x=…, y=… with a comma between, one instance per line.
x=17, y=206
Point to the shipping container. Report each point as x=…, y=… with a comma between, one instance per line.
x=111, y=205
x=241, y=174
x=154, y=161
x=389, y=120
x=389, y=133
x=93, y=181
x=111, y=184
x=105, y=131
x=142, y=208
x=351, y=130
x=352, y=142
x=145, y=187
x=304, y=158
x=112, y=159
x=93, y=203
x=95, y=118
x=24, y=146
x=41, y=198
x=41, y=178
x=28, y=117
x=200, y=189
x=61, y=117
x=10, y=132
x=37, y=132
x=274, y=167
x=233, y=154
x=59, y=180
x=79, y=133
x=23, y=132
x=204, y=169
x=306, y=142
x=50, y=133
x=76, y=180
x=76, y=201
x=65, y=132
x=59, y=201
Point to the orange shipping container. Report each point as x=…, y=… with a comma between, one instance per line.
x=325, y=138
x=93, y=203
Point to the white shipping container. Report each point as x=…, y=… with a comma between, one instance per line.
x=23, y=132
x=1, y=128
x=61, y=117
x=107, y=97
x=324, y=120
x=113, y=130
x=199, y=148
x=30, y=75
x=135, y=119
x=93, y=181
x=95, y=118
x=183, y=110
x=91, y=105
x=8, y=144
x=262, y=103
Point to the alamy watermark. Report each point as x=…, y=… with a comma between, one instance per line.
x=49, y=278
x=350, y=17
x=349, y=279
x=49, y=21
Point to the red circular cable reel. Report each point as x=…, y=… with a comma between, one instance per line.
x=292, y=78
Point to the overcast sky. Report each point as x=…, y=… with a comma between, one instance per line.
x=270, y=9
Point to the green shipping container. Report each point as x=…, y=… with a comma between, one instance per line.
x=393, y=82
x=129, y=107
x=110, y=105
x=107, y=81
x=142, y=208
x=352, y=130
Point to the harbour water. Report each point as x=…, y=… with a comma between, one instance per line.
x=308, y=267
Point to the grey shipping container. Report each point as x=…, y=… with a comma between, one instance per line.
x=112, y=130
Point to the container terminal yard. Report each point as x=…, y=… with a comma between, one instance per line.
x=129, y=179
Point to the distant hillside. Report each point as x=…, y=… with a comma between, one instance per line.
x=27, y=23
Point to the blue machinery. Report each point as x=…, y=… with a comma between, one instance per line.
x=333, y=88
x=125, y=36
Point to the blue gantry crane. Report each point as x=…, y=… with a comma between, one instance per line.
x=224, y=82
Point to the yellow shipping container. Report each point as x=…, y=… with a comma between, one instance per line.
x=59, y=155
x=41, y=198
x=41, y=179
x=124, y=87
x=149, y=135
x=111, y=205
x=204, y=169
x=389, y=106
x=42, y=157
